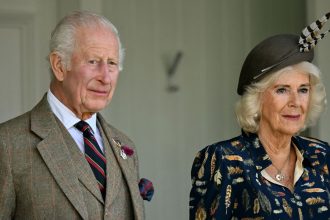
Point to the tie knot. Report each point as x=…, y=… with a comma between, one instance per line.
x=83, y=126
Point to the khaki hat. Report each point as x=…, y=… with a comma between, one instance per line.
x=279, y=51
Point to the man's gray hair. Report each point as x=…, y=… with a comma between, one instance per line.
x=63, y=37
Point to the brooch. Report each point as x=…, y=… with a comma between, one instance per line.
x=124, y=149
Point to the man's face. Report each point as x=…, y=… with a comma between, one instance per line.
x=90, y=81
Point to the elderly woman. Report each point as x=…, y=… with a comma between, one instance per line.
x=269, y=172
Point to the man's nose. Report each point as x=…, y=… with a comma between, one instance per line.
x=105, y=72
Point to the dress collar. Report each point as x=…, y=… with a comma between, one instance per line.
x=312, y=152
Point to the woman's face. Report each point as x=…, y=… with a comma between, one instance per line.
x=284, y=104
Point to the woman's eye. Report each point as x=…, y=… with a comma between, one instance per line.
x=281, y=90
x=304, y=90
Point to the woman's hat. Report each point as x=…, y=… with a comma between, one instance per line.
x=279, y=51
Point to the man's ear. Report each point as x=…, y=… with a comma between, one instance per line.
x=57, y=66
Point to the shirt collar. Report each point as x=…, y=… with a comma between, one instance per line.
x=65, y=115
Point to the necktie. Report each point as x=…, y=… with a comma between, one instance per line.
x=93, y=155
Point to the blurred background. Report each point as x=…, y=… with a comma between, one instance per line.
x=177, y=91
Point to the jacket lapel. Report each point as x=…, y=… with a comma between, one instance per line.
x=127, y=168
x=112, y=170
x=82, y=168
x=54, y=151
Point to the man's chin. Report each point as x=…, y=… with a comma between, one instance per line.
x=96, y=108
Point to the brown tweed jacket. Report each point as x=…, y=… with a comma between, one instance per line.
x=43, y=175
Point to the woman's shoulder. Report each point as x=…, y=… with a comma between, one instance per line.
x=309, y=143
x=317, y=151
x=225, y=147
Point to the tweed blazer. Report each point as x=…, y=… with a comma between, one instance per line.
x=43, y=175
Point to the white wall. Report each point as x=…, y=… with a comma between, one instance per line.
x=316, y=9
x=24, y=30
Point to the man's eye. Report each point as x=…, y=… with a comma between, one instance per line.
x=112, y=63
x=92, y=61
x=281, y=90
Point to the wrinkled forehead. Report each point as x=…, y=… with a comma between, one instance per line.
x=98, y=36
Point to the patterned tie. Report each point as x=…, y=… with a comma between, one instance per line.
x=94, y=155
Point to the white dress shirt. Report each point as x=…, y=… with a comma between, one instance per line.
x=69, y=119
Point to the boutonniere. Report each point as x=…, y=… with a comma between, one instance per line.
x=124, y=149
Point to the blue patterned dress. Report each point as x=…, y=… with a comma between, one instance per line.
x=227, y=182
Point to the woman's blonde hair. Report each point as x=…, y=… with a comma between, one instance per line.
x=249, y=106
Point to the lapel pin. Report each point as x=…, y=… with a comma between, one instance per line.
x=123, y=154
x=124, y=149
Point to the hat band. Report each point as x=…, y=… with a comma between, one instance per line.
x=267, y=69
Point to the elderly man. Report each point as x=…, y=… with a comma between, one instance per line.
x=62, y=160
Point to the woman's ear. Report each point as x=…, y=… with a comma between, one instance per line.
x=57, y=66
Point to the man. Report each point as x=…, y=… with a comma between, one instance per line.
x=62, y=160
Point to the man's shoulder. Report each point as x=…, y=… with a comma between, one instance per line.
x=17, y=121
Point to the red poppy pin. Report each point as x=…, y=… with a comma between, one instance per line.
x=125, y=151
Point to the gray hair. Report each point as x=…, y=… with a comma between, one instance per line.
x=249, y=105
x=63, y=37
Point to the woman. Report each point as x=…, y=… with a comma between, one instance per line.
x=268, y=172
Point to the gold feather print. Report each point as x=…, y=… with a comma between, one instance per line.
x=300, y=214
x=309, y=184
x=217, y=177
x=287, y=208
x=315, y=164
x=235, y=143
x=314, y=190
x=256, y=206
x=325, y=169
x=213, y=159
x=234, y=170
x=313, y=200
x=264, y=202
x=227, y=198
x=235, y=204
x=215, y=205
x=200, y=214
x=234, y=157
x=201, y=170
